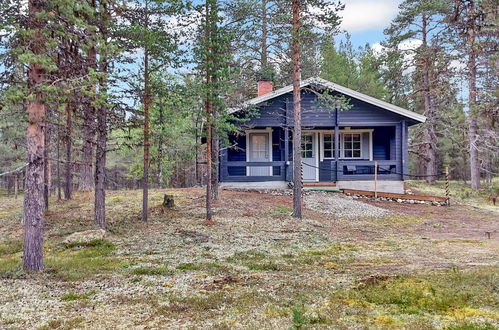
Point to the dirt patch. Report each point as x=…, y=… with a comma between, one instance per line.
x=250, y=270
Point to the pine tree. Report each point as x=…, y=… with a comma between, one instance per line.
x=35, y=142
x=338, y=64
x=473, y=22
x=422, y=20
x=304, y=11
x=148, y=31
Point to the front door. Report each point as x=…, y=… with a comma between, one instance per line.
x=259, y=151
x=309, y=156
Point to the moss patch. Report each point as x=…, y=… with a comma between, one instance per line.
x=83, y=260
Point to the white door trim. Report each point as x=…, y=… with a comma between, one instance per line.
x=316, y=150
x=267, y=130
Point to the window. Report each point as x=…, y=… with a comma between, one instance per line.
x=259, y=147
x=351, y=145
x=328, y=145
x=307, y=146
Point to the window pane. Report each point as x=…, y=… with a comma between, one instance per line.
x=356, y=153
x=356, y=145
x=348, y=153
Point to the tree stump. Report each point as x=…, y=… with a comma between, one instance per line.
x=168, y=201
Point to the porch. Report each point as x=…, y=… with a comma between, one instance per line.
x=329, y=154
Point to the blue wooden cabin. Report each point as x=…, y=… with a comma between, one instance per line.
x=339, y=147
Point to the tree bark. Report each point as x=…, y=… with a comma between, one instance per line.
x=297, y=172
x=35, y=145
x=472, y=122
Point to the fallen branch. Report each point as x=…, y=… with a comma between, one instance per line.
x=17, y=170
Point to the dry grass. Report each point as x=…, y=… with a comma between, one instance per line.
x=256, y=268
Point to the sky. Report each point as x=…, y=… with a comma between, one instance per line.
x=365, y=20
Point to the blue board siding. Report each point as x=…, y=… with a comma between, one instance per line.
x=269, y=114
x=389, y=138
x=326, y=171
x=381, y=143
x=278, y=112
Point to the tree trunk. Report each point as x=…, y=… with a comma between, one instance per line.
x=35, y=146
x=297, y=175
x=86, y=168
x=58, y=166
x=208, y=109
x=68, y=183
x=101, y=145
x=100, y=168
x=196, y=137
x=46, y=163
x=216, y=164
x=472, y=122
x=16, y=185
x=429, y=136
x=160, y=149
x=145, y=184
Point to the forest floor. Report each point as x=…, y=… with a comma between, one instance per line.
x=410, y=266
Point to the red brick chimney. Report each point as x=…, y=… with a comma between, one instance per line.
x=264, y=87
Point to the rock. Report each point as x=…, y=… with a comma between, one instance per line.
x=399, y=200
x=168, y=201
x=411, y=201
x=85, y=236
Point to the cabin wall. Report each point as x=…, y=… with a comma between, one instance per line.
x=278, y=112
x=389, y=138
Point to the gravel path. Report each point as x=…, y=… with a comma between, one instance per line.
x=342, y=206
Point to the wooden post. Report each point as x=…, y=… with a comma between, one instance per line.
x=336, y=144
x=375, y=179
x=447, y=191
x=286, y=153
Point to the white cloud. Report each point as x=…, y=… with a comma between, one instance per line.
x=361, y=15
x=407, y=47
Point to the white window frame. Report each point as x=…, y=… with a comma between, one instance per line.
x=322, y=133
x=342, y=148
x=341, y=145
x=267, y=130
